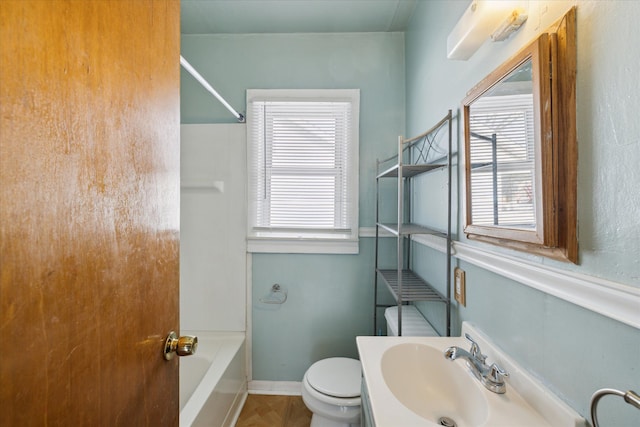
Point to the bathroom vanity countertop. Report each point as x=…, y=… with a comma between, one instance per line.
x=525, y=403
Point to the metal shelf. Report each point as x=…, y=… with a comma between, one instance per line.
x=409, y=171
x=404, y=285
x=409, y=228
x=414, y=288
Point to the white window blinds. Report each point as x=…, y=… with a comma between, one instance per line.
x=302, y=165
x=502, y=164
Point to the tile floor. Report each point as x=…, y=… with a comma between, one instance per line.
x=274, y=411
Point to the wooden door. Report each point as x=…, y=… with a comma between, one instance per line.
x=89, y=211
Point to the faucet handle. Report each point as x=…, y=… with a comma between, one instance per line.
x=475, y=349
x=497, y=374
x=494, y=380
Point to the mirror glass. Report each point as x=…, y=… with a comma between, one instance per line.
x=502, y=153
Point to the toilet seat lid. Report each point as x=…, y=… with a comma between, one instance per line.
x=336, y=376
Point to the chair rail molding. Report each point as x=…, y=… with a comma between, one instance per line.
x=611, y=299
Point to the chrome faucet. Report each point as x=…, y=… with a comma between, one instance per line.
x=492, y=377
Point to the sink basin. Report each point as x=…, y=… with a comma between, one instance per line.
x=407, y=382
x=433, y=387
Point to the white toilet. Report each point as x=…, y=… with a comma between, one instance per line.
x=331, y=387
x=331, y=391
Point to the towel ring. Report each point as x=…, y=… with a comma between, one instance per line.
x=276, y=296
x=631, y=397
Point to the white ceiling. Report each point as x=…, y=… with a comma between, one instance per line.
x=294, y=16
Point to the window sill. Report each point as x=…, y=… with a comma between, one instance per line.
x=302, y=245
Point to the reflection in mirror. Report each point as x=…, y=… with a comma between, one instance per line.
x=508, y=146
x=501, y=126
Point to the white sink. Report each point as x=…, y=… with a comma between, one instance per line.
x=411, y=384
x=422, y=380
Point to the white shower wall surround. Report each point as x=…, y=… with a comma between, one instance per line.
x=212, y=227
x=213, y=385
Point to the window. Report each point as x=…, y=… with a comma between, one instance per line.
x=303, y=170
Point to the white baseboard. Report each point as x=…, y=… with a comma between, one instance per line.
x=282, y=388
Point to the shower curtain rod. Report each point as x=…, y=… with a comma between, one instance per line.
x=208, y=87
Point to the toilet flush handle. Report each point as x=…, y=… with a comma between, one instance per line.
x=182, y=346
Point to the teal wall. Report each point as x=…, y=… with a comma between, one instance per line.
x=572, y=350
x=330, y=297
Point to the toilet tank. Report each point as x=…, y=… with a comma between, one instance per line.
x=413, y=323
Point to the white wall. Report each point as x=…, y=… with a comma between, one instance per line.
x=212, y=227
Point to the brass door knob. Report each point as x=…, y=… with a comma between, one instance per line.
x=182, y=346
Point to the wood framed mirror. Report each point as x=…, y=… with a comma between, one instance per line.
x=520, y=149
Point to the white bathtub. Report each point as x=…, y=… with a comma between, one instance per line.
x=213, y=382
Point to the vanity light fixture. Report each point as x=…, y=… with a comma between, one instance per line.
x=482, y=19
x=510, y=25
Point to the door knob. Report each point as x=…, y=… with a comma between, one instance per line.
x=182, y=346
